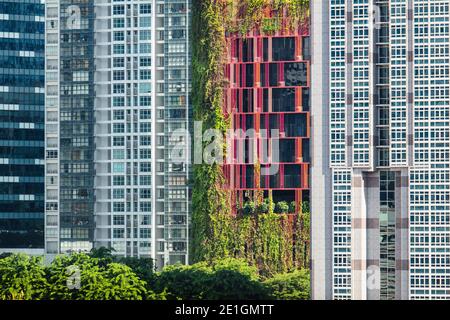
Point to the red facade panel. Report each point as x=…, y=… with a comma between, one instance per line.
x=268, y=83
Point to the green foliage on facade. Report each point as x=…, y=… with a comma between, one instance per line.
x=243, y=16
x=27, y=278
x=211, y=211
x=258, y=235
x=271, y=241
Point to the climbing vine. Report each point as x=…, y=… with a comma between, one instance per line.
x=211, y=210
x=263, y=232
x=267, y=15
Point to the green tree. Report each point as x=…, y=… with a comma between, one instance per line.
x=63, y=269
x=142, y=267
x=22, y=278
x=103, y=254
x=236, y=265
x=234, y=279
x=221, y=279
x=96, y=280
x=290, y=286
x=122, y=284
x=182, y=281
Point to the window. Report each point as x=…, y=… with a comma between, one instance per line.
x=145, y=166
x=145, y=140
x=145, y=193
x=118, y=9
x=145, y=35
x=145, y=22
x=118, y=62
x=119, y=36
x=119, y=49
x=118, y=233
x=118, y=115
x=118, y=181
x=118, y=88
x=145, y=207
x=144, y=101
x=118, y=75
x=118, y=167
x=118, y=220
x=144, y=48
x=119, y=22
x=81, y=76
x=144, y=233
x=118, y=141
x=118, y=193
x=144, y=74
x=145, y=62
x=145, y=9
x=118, y=101
x=118, y=207
x=145, y=87
x=118, y=128
x=145, y=127
x=52, y=154
x=145, y=114
x=144, y=154
x=118, y=154
x=145, y=180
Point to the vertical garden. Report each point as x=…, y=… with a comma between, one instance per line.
x=264, y=234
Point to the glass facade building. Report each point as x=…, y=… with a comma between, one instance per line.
x=69, y=126
x=117, y=103
x=380, y=192
x=22, y=124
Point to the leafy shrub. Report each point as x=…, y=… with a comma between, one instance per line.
x=25, y=277
x=282, y=207
x=223, y=279
x=249, y=208
x=22, y=277
x=292, y=207
x=290, y=286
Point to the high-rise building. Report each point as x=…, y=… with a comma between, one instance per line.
x=117, y=88
x=22, y=126
x=381, y=138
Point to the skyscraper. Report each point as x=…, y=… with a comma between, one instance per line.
x=117, y=88
x=380, y=168
x=22, y=126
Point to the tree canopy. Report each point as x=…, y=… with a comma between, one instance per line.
x=103, y=276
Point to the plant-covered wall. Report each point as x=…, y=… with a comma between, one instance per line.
x=266, y=15
x=211, y=213
x=263, y=233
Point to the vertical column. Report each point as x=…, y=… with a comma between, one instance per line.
x=398, y=82
x=321, y=183
x=52, y=119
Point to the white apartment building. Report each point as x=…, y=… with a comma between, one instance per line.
x=380, y=149
x=117, y=86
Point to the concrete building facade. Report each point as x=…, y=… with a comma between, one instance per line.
x=117, y=88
